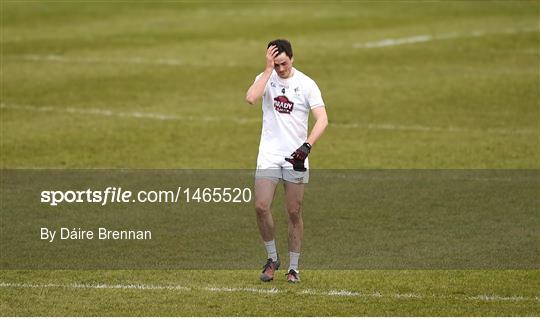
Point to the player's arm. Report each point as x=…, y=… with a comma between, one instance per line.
x=321, y=122
x=257, y=89
x=299, y=156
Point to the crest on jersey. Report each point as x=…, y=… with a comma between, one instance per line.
x=283, y=105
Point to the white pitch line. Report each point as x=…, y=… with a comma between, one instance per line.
x=134, y=60
x=172, y=117
x=346, y=293
x=342, y=293
x=451, y=129
x=226, y=289
x=443, y=36
x=134, y=114
x=501, y=298
x=94, y=286
x=330, y=293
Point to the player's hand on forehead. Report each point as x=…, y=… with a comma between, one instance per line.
x=271, y=54
x=273, y=50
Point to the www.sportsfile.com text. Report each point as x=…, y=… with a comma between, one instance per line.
x=118, y=195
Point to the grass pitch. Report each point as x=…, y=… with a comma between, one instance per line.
x=239, y=293
x=161, y=85
x=467, y=101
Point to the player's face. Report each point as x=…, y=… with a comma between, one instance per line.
x=283, y=65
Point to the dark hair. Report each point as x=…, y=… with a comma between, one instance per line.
x=282, y=46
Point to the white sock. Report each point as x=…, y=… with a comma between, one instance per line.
x=271, y=249
x=293, y=257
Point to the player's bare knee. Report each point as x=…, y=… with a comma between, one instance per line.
x=262, y=208
x=295, y=214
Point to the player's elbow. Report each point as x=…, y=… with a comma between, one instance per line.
x=250, y=99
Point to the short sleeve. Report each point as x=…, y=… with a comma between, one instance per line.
x=314, y=97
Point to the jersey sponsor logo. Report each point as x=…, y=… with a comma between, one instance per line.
x=283, y=105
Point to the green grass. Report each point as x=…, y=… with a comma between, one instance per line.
x=486, y=86
x=379, y=293
x=464, y=102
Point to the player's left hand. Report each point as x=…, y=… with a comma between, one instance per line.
x=302, y=152
x=299, y=156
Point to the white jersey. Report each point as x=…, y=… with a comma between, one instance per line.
x=286, y=104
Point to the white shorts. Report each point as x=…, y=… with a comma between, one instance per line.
x=275, y=167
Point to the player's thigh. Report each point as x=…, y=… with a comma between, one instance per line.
x=265, y=188
x=294, y=196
